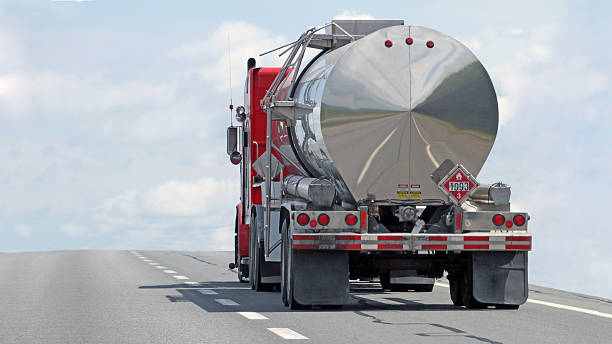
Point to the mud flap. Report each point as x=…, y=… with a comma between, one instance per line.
x=321, y=278
x=500, y=277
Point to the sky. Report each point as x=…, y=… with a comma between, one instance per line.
x=113, y=117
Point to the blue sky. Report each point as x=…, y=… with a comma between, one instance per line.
x=113, y=115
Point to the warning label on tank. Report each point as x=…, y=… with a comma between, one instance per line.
x=408, y=191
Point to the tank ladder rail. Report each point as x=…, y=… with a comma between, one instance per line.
x=293, y=61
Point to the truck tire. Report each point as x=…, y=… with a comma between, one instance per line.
x=385, y=280
x=252, y=271
x=467, y=292
x=284, y=250
x=243, y=272
x=286, y=267
x=454, y=283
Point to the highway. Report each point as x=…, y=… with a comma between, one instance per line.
x=192, y=297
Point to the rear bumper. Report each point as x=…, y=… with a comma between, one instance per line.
x=496, y=241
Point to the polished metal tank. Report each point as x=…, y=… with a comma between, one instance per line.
x=384, y=118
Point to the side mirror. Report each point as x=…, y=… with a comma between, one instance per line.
x=235, y=158
x=232, y=140
x=240, y=114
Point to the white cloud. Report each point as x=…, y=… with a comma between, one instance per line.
x=23, y=230
x=352, y=14
x=73, y=230
x=247, y=40
x=177, y=198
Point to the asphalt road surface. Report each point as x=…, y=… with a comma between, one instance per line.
x=192, y=297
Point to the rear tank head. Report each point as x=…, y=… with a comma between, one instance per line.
x=389, y=108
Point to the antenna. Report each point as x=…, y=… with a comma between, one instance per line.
x=229, y=65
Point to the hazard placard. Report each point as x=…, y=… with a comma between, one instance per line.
x=458, y=184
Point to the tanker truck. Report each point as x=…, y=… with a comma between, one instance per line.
x=361, y=163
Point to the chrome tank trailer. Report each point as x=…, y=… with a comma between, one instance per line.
x=384, y=112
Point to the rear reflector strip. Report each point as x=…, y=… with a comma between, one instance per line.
x=518, y=247
x=516, y=238
x=437, y=238
x=476, y=247
x=390, y=246
x=412, y=242
x=364, y=219
x=434, y=247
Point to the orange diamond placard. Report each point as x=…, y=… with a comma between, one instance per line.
x=458, y=184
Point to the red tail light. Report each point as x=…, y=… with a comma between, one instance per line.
x=519, y=220
x=350, y=219
x=430, y=44
x=313, y=223
x=303, y=219
x=323, y=219
x=508, y=223
x=388, y=43
x=499, y=219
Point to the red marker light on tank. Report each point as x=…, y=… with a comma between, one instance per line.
x=350, y=219
x=519, y=220
x=303, y=219
x=499, y=219
x=388, y=43
x=430, y=44
x=323, y=219
x=409, y=40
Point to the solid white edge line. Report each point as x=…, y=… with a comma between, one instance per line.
x=556, y=305
x=170, y=271
x=286, y=333
x=227, y=302
x=253, y=315
x=570, y=308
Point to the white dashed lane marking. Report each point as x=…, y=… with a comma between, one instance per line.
x=192, y=283
x=147, y=260
x=153, y=263
x=227, y=302
x=161, y=267
x=252, y=315
x=170, y=271
x=207, y=292
x=286, y=333
x=180, y=277
x=556, y=305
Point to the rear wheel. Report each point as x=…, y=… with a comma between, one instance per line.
x=285, y=238
x=454, y=282
x=287, y=279
x=252, y=269
x=467, y=293
x=385, y=280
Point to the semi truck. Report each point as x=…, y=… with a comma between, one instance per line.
x=361, y=163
